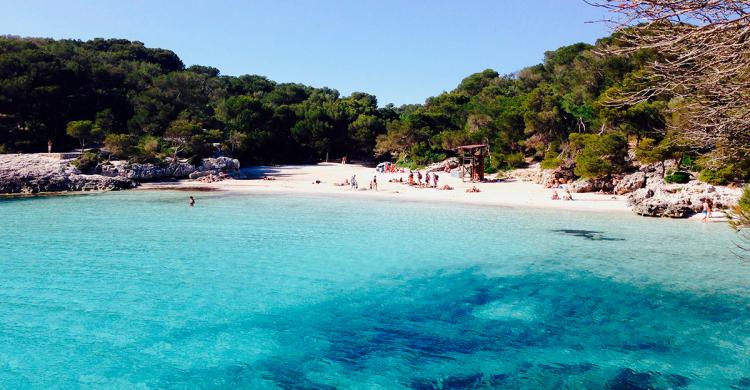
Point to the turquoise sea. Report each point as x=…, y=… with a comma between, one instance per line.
x=137, y=290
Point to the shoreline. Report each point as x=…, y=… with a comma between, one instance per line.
x=299, y=179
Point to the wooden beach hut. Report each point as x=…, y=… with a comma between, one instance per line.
x=471, y=161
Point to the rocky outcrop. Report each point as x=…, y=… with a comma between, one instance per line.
x=220, y=164
x=147, y=172
x=35, y=173
x=586, y=185
x=630, y=183
x=659, y=199
x=451, y=163
x=212, y=177
x=646, y=191
x=170, y=169
x=535, y=174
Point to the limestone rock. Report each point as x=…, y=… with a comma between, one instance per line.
x=591, y=185
x=630, y=183
x=170, y=169
x=220, y=164
x=35, y=173
x=451, y=162
x=148, y=171
x=659, y=199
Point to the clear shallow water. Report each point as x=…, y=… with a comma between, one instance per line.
x=136, y=290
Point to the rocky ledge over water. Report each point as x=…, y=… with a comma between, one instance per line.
x=647, y=192
x=36, y=173
x=218, y=166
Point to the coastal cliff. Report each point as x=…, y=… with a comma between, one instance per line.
x=39, y=173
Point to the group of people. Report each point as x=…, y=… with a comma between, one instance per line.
x=566, y=196
x=431, y=180
x=389, y=167
x=555, y=183
x=428, y=180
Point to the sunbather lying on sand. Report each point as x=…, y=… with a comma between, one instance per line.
x=446, y=188
x=473, y=189
x=268, y=178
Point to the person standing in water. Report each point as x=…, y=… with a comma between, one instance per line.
x=191, y=202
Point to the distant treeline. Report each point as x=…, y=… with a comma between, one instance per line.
x=144, y=104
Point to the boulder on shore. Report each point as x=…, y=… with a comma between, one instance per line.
x=591, y=185
x=630, y=183
x=451, y=163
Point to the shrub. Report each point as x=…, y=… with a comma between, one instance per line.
x=744, y=202
x=86, y=162
x=515, y=160
x=119, y=145
x=689, y=163
x=679, y=177
x=147, y=150
x=551, y=160
x=717, y=176
x=740, y=215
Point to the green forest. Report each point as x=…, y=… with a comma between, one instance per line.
x=144, y=104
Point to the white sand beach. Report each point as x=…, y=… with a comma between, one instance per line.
x=301, y=179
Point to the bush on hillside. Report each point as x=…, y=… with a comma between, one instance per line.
x=598, y=156
x=551, y=160
x=717, y=176
x=679, y=177
x=86, y=162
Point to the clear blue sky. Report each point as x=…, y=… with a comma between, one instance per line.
x=402, y=51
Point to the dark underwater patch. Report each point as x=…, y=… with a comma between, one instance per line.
x=628, y=379
x=430, y=321
x=592, y=235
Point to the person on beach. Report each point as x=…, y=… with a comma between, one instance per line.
x=191, y=202
x=567, y=195
x=411, y=178
x=354, y=185
x=706, y=209
x=419, y=178
x=49, y=146
x=374, y=183
x=555, y=195
x=435, y=179
x=427, y=179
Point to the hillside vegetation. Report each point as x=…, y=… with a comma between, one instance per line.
x=143, y=104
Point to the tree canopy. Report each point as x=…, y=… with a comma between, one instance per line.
x=145, y=104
